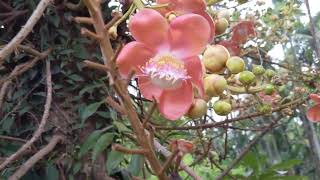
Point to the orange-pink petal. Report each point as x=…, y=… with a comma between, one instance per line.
x=195, y=71
x=313, y=114
x=189, y=35
x=184, y=6
x=150, y=27
x=315, y=98
x=211, y=23
x=173, y=104
x=132, y=56
x=232, y=46
x=149, y=90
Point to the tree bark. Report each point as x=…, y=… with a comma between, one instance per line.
x=314, y=144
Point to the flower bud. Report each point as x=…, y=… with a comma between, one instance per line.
x=235, y=64
x=171, y=16
x=270, y=73
x=198, y=109
x=246, y=77
x=215, y=58
x=269, y=89
x=214, y=85
x=113, y=32
x=265, y=108
x=258, y=70
x=222, y=108
x=221, y=25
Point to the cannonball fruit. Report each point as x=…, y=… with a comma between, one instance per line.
x=221, y=25
x=214, y=85
x=215, y=58
x=246, y=77
x=270, y=73
x=198, y=109
x=235, y=64
x=258, y=70
x=222, y=108
x=269, y=89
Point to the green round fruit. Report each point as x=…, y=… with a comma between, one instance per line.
x=235, y=64
x=258, y=70
x=214, y=85
x=198, y=109
x=222, y=108
x=247, y=77
x=269, y=89
x=270, y=73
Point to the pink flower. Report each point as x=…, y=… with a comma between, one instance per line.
x=165, y=59
x=313, y=114
x=181, y=7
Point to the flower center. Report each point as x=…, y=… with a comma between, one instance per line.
x=166, y=72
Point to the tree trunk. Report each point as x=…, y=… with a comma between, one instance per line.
x=314, y=144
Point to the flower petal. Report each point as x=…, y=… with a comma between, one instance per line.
x=149, y=27
x=242, y=31
x=184, y=6
x=315, y=98
x=211, y=23
x=313, y=114
x=195, y=71
x=149, y=90
x=232, y=46
x=175, y=103
x=189, y=35
x=133, y=55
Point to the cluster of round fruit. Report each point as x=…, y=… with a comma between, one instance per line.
x=226, y=75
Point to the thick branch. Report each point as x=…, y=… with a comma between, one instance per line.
x=24, y=31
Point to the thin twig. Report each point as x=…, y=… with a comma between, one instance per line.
x=40, y=129
x=9, y=138
x=220, y=123
x=24, y=31
x=21, y=68
x=118, y=147
x=167, y=153
x=246, y=150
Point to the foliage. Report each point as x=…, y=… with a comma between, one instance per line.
x=91, y=126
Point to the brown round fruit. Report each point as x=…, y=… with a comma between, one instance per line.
x=215, y=58
x=214, y=85
x=198, y=109
x=221, y=26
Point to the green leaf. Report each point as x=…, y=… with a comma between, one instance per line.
x=89, y=110
x=136, y=165
x=76, y=77
x=121, y=127
x=52, y=172
x=7, y=123
x=76, y=167
x=89, y=143
x=80, y=52
x=114, y=159
x=103, y=142
x=285, y=165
